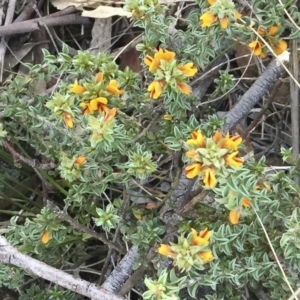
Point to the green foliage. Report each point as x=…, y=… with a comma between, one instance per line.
x=106, y=133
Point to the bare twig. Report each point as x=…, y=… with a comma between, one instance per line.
x=31, y=162
x=295, y=100
x=8, y=20
x=101, y=237
x=9, y=255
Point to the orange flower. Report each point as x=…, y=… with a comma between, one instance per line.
x=209, y=178
x=99, y=104
x=273, y=29
x=231, y=143
x=218, y=136
x=198, y=240
x=211, y=2
x=152, y=63
x=234, y=217
x=256, y=47
x=197, y=139
x=246, y=202
x=184, y=88
x=99, y=77
x=68, y=120
x=45, y=237
x=206, y=256
x=261, y=31
x=165, y=250
x=205, y=233
x=193, y=170
x=208, y=19
x=224, y=22
x=77, y=89
x=280, y=47
x=87, y=109
x=188, y=69
x=164, y=54
x=80, y=160
x=110, y=114
x=192, y=154
x=232, y=160
x=155, y=88
x=113, y=88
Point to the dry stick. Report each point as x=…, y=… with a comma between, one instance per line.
x=295, y=100
x=10, y=255
x=9, y=18
x=121, y=272
x=62, y=215
x=31, y=162
x=36, y=24
x=261, y=86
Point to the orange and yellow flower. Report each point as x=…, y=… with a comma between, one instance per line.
x=45, y=237
x=208, y=19
x=197, y=139
x=256, y=47
x=110, y=115
x=99, y=77
x=113, y=88
x=193, y=170
x=77, y=89
x=165, y=250
x=80, y=160
x=68, y=120
x=206, y=256
x=155, y=89
x=209, y=178
x=234, y=216
x=233, y=160
x=184, y=88
x=280, y=47
x=188, y=69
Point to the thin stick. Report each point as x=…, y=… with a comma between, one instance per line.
x=275, y=255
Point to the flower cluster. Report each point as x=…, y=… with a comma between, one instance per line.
x=168, y=73
x=189, y=252
x=272, y=38
x=95, y=96
x=210, y=155
x=222, y=11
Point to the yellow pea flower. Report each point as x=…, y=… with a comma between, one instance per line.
x=188, y=69
x=209, y=178
x=155, y=88
x=68, y=120
x=208, y=19
x=45, y=237
x=77, y=89
x=193, y=170
x=80, y=160
x=233, y=161
x=113, y=88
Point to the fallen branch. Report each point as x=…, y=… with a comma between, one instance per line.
x=260, y=87
x=9, y=255
x=64, y=17
x=121, y=272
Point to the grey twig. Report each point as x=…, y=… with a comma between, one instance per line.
x=261, y=86
x=9, y=255
x=62, y=215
